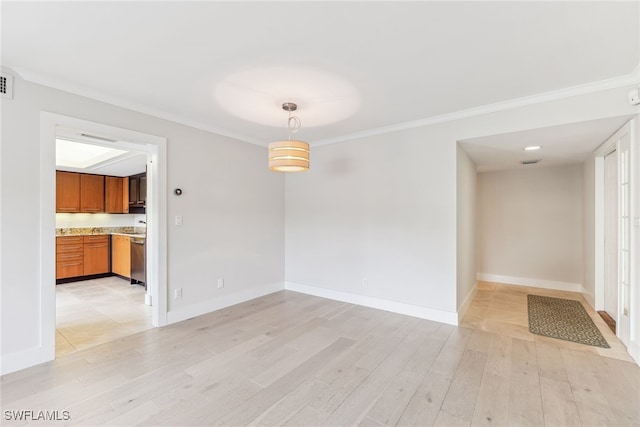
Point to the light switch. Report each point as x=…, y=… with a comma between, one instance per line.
x=178, y=219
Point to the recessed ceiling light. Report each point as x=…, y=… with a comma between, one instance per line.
x=532, y=148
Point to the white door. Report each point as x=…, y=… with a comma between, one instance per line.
x=611, y=235
x=624, y=220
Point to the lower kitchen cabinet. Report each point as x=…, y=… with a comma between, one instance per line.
x=78, y=256
x=96, y=255
x=69, y=256
x=121, y=255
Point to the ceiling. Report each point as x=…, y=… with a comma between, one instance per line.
x=352, y=67
x=75, y=153
x=560, y=145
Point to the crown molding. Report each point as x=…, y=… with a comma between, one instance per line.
x=613, y=83
x=616, y=82
x=119, y=102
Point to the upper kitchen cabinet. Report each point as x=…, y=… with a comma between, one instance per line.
x=91, y=193
x=78, y=192
x=116, y=194
x=67, y=192
x=138, y=193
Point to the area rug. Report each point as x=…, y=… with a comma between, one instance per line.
x=563, y=319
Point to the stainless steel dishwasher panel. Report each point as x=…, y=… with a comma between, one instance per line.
x=138, y=270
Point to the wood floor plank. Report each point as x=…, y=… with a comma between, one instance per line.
x=296, y=360
x=525, y=402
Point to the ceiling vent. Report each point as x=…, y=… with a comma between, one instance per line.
x=6, y=85
x=529, y=162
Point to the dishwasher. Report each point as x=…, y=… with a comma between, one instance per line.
x=138, y=270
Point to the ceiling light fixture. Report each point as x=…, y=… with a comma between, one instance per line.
x=532, y=148
x=289, y=155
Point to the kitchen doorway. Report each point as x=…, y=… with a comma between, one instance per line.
x=156, y=274
x=101, y=292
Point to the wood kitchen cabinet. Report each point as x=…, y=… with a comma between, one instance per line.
x=116, y=194
x=138, y=193
x=96, y=254
x=67, y=192
x=121, y=255
x=69, y=256
x=78, y=256
x=79, y=192
x=91, y=193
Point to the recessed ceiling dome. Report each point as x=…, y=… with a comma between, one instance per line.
x=257, y=94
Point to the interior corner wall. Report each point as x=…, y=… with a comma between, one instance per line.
x=375, y=219
x=232, y=205
x=588, y=229
x=530, y=226
x=466, y=227
x=384, y=208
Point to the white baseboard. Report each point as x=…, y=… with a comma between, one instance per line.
x=448, y=317
x=13, y=362
x=467, y=302
x=590, y=299
x=183, y=313
x=535, y=283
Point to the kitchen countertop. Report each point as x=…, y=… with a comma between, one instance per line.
x=139, y=232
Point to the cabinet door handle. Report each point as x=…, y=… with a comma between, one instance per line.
x=72, y=247
x=71, y=265
x=104, y=245
x=70, y=256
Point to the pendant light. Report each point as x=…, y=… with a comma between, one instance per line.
x=289, y=155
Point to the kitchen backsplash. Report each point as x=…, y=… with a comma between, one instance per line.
x=82, y=220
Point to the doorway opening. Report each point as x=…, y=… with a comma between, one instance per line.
x=133, y=143
x=102, y=293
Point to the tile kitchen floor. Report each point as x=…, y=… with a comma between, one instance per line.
x=96, y=311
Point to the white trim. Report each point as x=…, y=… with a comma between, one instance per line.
x=157, y=260
x=598, y=86
x=110, y=99
x=568, y=92
x=13, y=362
x=590, y=299
x=467, y=302
x=535, y=283
x=213, y=304
x=448, y=317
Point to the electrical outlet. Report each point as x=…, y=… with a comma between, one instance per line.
x=365, y=282
x=177, y=294
x=220, y=283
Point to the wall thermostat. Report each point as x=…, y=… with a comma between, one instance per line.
x=177, y=191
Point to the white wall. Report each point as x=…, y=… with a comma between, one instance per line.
x=588, y=229
x=233, y=210
x=380, y=209
x=385, y=207
x=530, y=225
x=466, y=229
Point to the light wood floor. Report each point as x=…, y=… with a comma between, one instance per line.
x=297, y=360
x=96, y=311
